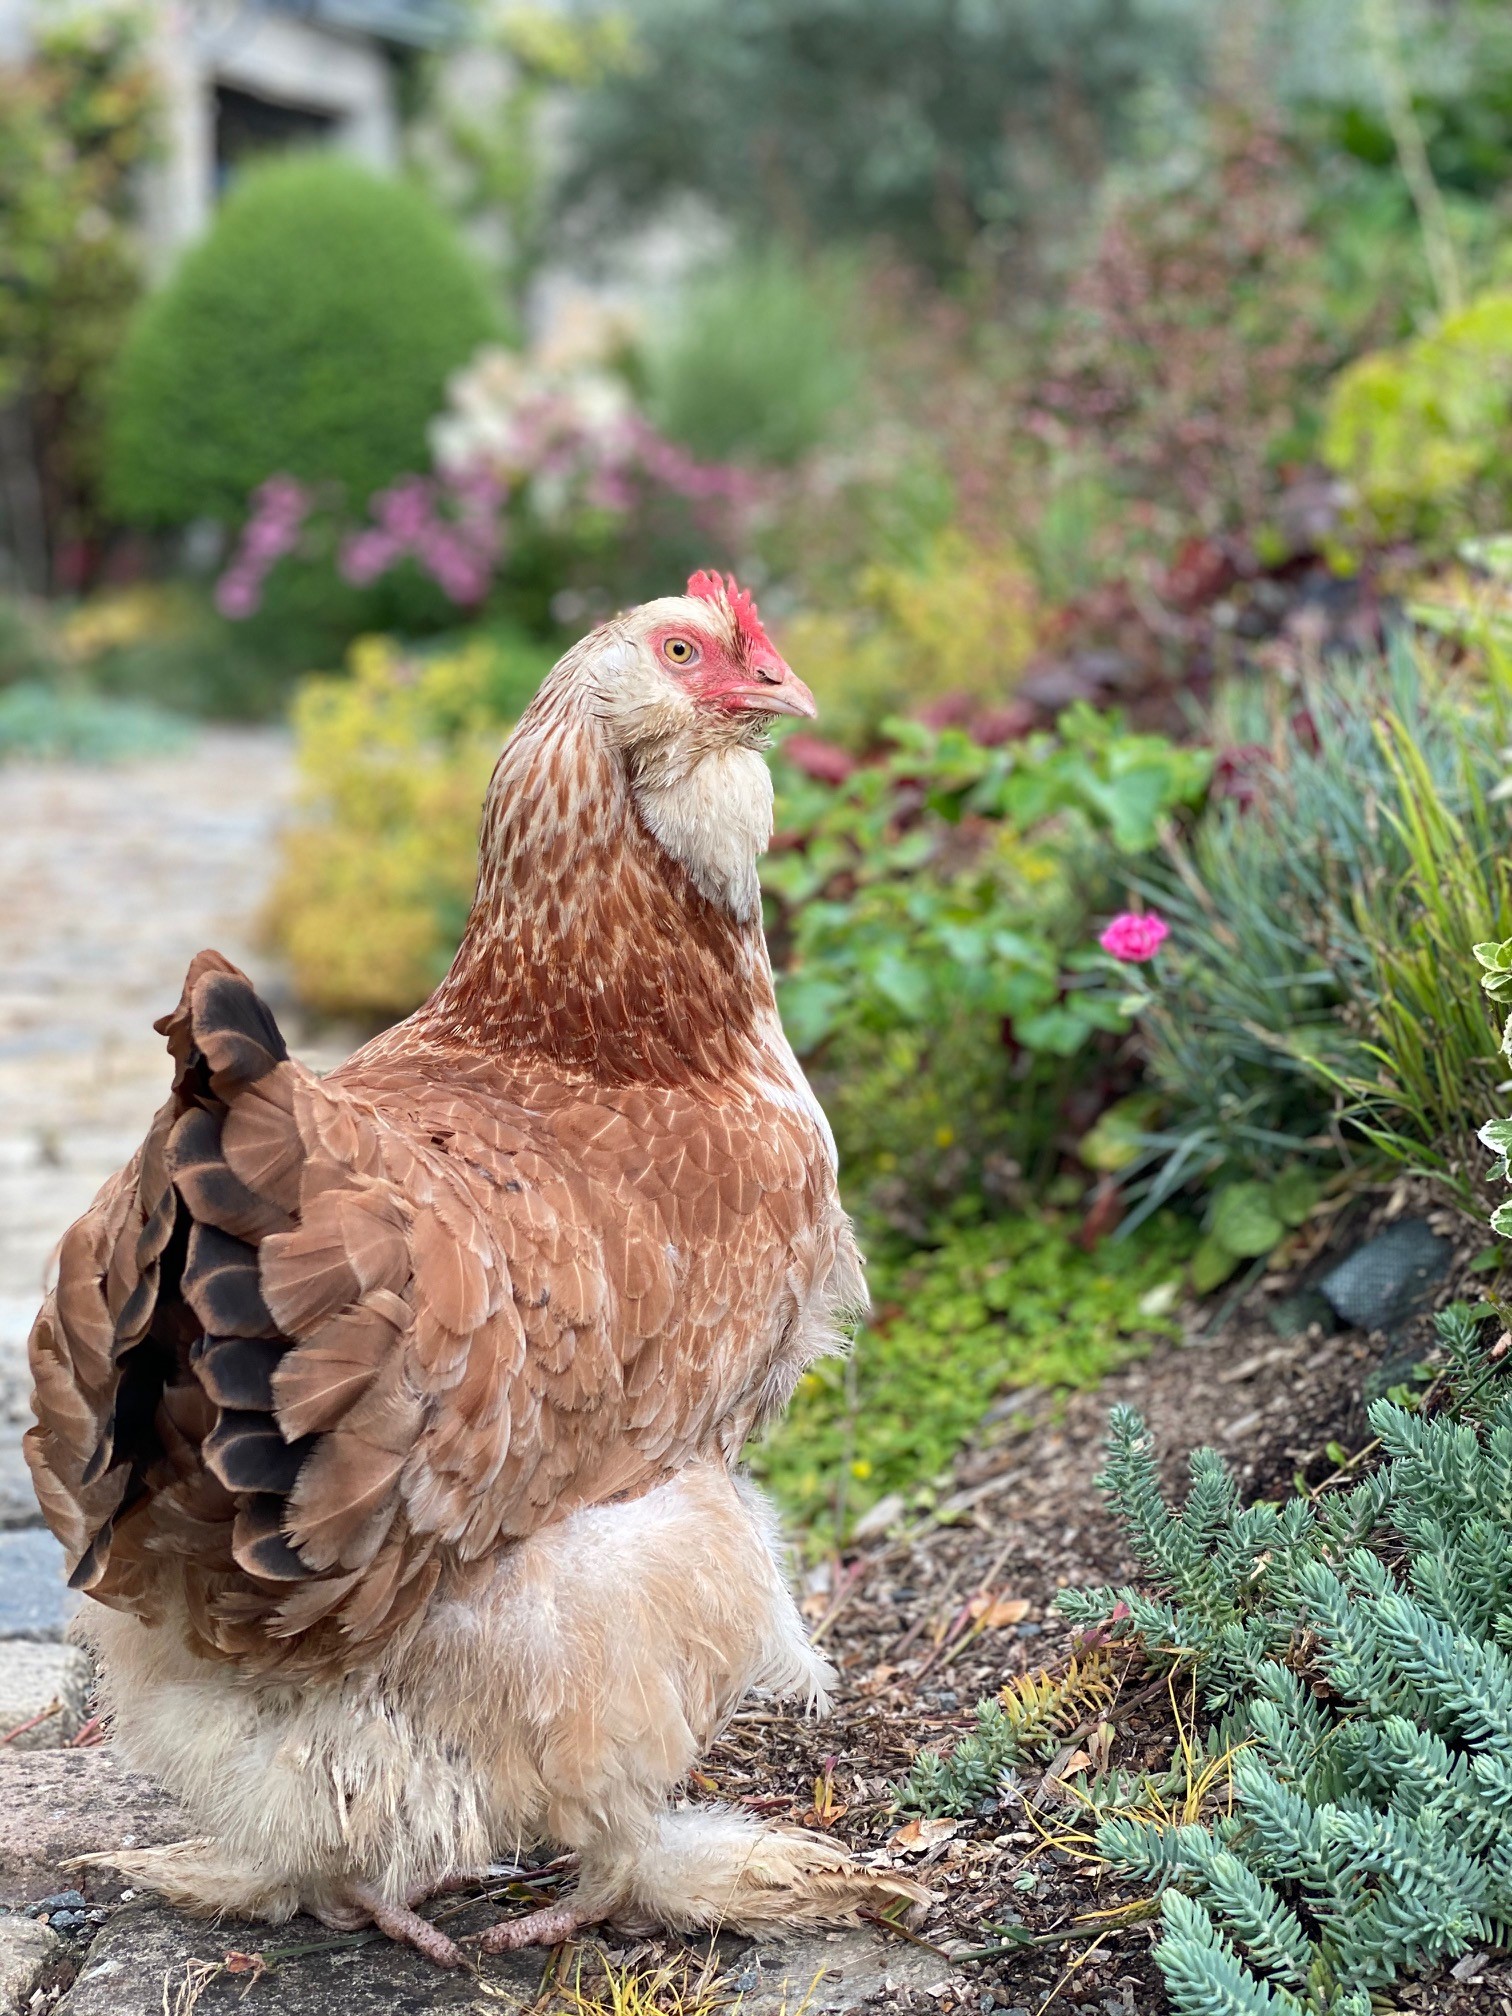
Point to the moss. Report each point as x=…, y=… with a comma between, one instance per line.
x=1010, y=1303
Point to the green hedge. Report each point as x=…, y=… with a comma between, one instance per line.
x=311, y=332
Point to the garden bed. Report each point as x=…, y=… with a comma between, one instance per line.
x=924, y=1623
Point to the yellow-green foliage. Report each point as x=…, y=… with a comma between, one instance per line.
x=378, y=874
x=1424, y=431
x=963, y=622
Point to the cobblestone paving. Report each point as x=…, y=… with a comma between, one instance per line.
x=111, y=878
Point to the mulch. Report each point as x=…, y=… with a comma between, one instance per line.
x=923, y=1624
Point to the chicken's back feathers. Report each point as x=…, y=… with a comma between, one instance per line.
x=324, y=1346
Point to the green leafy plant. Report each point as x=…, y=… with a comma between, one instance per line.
x=1248, y=1220
x=1028, y=1720
x=311, y=333
x=933, y=922
x=1362, y=1641
x=980, y=894
x=1422, y=430
x=1356, y=1649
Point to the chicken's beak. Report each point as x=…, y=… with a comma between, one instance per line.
x=777, y=689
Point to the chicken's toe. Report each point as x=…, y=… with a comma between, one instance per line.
x=549, y=1926
x=399, y=1922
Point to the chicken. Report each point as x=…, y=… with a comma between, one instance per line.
x=391, y=1418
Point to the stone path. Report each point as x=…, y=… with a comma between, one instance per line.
x=111, y=878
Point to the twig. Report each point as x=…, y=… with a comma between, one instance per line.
x=892, y=1925
x=857, y=1575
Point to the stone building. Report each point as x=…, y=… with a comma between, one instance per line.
x=244, y=76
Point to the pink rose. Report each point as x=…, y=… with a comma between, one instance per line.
x=1133, y=937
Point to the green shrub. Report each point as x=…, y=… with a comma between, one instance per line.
x=759, y=362
x=962, y=617
x=312, y=332
x=1012, y=1302
x=378, y=873
x=68, y=720
x=1356, y=1649
x=1424, y=431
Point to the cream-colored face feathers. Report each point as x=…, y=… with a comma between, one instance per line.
x=687, y=715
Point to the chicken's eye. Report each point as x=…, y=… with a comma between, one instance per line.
x=679, y=651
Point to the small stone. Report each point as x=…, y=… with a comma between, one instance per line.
x=28, y=1953
x=32, y=1678
x=61, y=1900
x=1294, y=1315
x=1390, y=1277
x=35, y=1599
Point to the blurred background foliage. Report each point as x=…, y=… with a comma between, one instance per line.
x=1111, y=402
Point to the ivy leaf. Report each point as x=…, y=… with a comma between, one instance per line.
x=1501, y=1220
x=1212, y=1264
x=1245, y=1220
x=809, y=1010
x=1497, y=1135
x=1293, y=1195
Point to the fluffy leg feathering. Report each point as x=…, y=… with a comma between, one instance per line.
x=559, y=1697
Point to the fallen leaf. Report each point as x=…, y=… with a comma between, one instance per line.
x=921, y=1834
x=1007, y=1610
x=1077, y=1761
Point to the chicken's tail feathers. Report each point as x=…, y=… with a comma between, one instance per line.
x=222, y=1024
x=153, y=1353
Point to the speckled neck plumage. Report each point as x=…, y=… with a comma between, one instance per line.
x=589, y=943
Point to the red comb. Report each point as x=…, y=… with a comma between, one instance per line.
x=741, y=603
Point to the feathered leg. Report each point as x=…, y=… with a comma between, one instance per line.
x=652, y=1619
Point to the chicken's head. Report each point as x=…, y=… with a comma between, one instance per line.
x=685, y=690
x=695, y=671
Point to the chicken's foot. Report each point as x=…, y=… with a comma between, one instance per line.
x=363, y=1905
x=550, y=1926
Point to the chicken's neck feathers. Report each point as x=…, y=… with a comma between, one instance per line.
x=590, y=943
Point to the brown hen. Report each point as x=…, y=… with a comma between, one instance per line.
x=391, y=1418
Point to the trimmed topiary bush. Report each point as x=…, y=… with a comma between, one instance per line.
x=312, y=332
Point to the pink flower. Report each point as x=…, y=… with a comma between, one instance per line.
x=237, y=595
x=1133, y=937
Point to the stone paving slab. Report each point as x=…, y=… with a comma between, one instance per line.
x=148, y=1956
x=35, y=1599
x=55, y=1804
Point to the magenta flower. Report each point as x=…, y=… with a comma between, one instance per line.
x=1135, y=937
